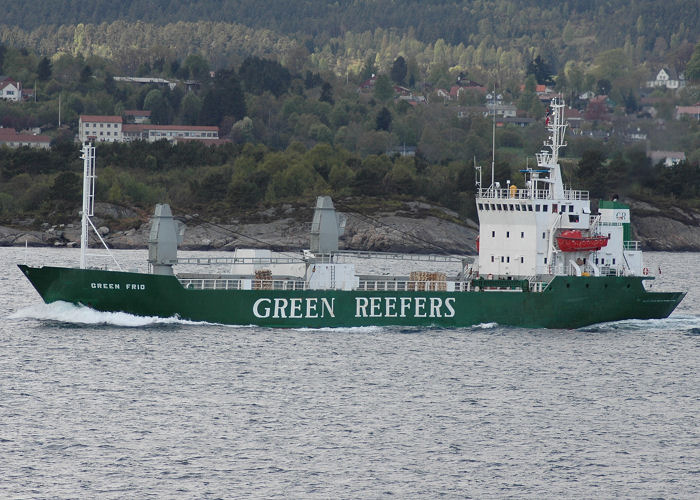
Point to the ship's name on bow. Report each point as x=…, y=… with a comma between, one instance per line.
x=365, y=307
x=118, y=286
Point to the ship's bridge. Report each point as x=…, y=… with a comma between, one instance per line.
x=513, y=192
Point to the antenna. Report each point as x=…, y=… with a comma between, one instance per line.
x=88, y=198
x=493, y=135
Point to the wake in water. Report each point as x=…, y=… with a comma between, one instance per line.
x=70, y=313
x=675, y=323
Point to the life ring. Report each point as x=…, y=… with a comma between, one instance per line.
x=645, y=271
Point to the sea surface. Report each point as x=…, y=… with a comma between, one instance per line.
x=96, y=405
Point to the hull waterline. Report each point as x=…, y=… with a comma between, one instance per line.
x=568, y=302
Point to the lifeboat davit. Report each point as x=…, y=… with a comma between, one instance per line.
x=572, y=240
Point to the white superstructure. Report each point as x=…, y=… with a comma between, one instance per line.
x=519, y=225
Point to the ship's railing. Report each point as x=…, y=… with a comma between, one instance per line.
x=409, y=286
x=632, y=245
x=529, y=193
x=574, y=194
x=240, y=284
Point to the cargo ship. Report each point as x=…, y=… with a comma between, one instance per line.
x=545, y=260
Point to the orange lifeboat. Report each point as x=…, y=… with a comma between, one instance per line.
x=572, y=240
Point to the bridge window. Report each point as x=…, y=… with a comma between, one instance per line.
x=537, y=208
x=507, y=234
x=512, y=208
x=554, y=208
x=502, y=258
x=481, y=206
x=493, y=234
x=517, y=208
x=522, y=234
x=544, y=208
x=571, y=208
x=522, y=260
x=508, y=260
x=529, y=208
x=544, y=236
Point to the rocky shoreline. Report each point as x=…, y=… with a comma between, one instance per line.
x=420, y=229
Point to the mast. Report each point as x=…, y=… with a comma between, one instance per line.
x=88, y=157
x=493, y=136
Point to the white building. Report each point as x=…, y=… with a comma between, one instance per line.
x=100, y=128
x=172, y=133
x=10, y=90
x=667, y=78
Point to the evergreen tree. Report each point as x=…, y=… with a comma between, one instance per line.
x=44, y=69
x=399, y=70
x=383, y=119
x=223, y=98
x=543, y=73
x=326, y=93
x=383, y=89
x=692, y=69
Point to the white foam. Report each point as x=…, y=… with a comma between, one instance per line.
x=349, y=329
x=486, y=326
x=71, y=313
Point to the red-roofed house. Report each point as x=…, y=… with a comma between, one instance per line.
x=100, y=128
x=9, y=137
x=10, y=90
x=172, y=133
x=689, y=111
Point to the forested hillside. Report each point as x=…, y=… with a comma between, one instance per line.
x=283, y=83
x=497, y=36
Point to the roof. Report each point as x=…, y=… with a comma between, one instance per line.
x=100, y=119
x=191, y=128
x=7, y=83
x=11, y=135
x=136, y=112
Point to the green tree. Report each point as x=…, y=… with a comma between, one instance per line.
x=692, y=69
x=383, y=119
x=383, y=89
x=43, y=70
x=161, y=112
x=399, y=70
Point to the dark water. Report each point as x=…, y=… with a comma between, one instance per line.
x=111, y=406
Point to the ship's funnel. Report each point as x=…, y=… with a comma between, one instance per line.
x=166, y=234
x=327, y=227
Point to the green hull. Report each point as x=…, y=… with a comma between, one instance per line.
x=568, y=302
